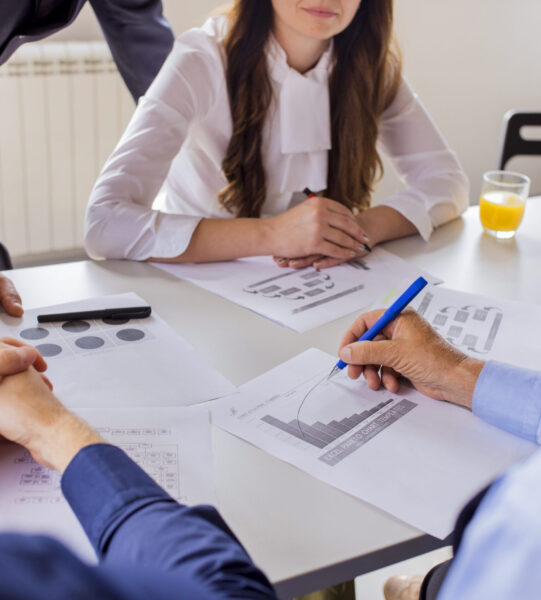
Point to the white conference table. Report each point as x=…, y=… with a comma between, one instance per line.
x=306, y=535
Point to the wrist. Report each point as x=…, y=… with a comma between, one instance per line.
x=265, y=236
x=367, y=220
x=462, y=382
x=383, y=223
x=57, y=443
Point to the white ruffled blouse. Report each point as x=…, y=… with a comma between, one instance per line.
x=165, y=173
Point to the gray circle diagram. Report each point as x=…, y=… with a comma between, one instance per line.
x=48, y=350
x=110, y=321
x=89, y=342
x=34, y=333
x=75, y=326
x=130, y=335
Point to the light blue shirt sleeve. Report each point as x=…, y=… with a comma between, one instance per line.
x=499, y=554
x=498, y=558
x=509, y=397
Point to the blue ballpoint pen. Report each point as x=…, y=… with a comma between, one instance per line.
x=391, y=313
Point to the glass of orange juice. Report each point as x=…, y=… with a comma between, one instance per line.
x=503, y=199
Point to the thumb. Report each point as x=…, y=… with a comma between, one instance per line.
x=370, y=353
x=15, y=360
x=9, y=298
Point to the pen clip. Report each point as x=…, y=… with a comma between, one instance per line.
x=137, y=312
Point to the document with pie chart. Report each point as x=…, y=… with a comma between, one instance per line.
x=120, y=363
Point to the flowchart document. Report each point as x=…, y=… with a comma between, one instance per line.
x=302, y=299
x=484, y=327
x=172, y=445
x=104, y=363
x=416, y=458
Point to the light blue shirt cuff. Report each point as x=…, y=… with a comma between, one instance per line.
x=509, y=397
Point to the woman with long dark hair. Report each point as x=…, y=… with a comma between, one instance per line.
x=255, y=106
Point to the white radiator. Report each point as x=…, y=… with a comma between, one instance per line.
x=63, y=107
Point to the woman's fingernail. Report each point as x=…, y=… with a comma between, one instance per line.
x=281, y=260
x=294, y=262
x=352, y=254
x=366, y=237
x=345, y=354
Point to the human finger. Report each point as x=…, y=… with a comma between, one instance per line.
x=359, y=327
x=325, y=262
x=350, y=226
x=281, y=261
x=332, y=250
x=389, y=379
x=382, y=352
x=339, y=238
x=371, y=376
x=14, y=360
x=304, y=261
x=9, y=298
x=39, y=362
x=355, y=371
x=47, y=381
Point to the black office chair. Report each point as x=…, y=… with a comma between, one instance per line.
x=511, y=142
x=5, y=258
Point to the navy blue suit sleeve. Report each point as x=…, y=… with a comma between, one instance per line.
x=132, y=522
x=38, y=567
x=139, y=36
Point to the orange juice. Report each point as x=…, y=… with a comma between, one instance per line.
x=501, y=211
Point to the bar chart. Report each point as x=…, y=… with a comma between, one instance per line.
x=321, y=434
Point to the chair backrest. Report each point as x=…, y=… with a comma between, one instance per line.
x=511, y=141
x=5, y=258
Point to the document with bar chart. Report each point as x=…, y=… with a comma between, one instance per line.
x=415, y=458
x=484, y=327
x=304, y=298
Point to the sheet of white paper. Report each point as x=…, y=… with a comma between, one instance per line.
x=304, y=298
x=172, y=445
x=416, y=458
x=142, y=362
x=483, y=327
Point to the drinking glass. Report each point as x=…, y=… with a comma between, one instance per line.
x=502, y=203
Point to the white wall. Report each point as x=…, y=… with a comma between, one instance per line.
x=469, y=60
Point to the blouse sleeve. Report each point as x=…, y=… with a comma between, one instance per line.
x=120, y=221
x=436, y=185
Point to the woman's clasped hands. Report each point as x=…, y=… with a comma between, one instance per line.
x=318, y=232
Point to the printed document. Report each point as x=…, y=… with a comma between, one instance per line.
x=104, y=363
x=304, y=298
x=416, y=458
x=171, y=444
x=483, y=327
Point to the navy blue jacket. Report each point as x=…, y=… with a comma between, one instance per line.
x=138, y=34
x=149, y=546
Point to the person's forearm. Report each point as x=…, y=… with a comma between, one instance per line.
x=225, y=239
x=383, y=223
x=509, y=397
x=130, y=520
x=62, y=441
x=33, y=417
